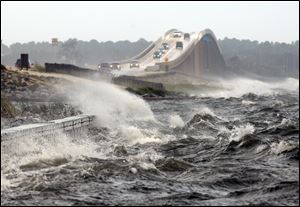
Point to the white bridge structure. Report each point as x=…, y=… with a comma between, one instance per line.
x=200, y=56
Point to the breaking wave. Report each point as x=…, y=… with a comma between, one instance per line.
x=111, y=105
x=240, y=86
x=242, y=150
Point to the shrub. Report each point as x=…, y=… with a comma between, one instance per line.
x=7, y=109
x=39, y=68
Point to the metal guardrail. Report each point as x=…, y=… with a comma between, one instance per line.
x=76, y=71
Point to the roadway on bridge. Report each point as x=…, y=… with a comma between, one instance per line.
x=147, y=61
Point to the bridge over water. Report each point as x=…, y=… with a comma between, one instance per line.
x=200, y=56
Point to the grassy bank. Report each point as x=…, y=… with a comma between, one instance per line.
x=146, y=90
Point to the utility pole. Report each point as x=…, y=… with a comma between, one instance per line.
x=54, y=42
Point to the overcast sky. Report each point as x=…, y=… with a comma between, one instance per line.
x=103, y=21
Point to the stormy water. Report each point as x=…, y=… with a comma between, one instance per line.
x=235, y=144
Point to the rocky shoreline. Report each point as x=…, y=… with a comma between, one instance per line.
x=26, y=98
x=18, y=85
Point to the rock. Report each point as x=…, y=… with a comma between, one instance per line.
x=33, y=87
x=120, y=151
x=24, y=83
x=20, y=88
x=18, y=95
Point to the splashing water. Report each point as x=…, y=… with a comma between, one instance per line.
x=282, y=146
x=176, y=121
x=239, y=132
x=205, y=110
x=111, y=105
x=4, y=183
x=240, y=86
x=136, y=135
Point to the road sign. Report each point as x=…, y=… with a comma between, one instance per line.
x=166, y=60
x=54, y=41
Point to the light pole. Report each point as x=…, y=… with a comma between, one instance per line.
x=1, y=52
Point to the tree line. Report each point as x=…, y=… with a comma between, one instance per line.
x=73, y=51
x=265, y=58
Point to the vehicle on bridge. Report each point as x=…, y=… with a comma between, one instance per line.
x=157, y=54
x=179, y=45
x=104, y=66
x=134, y=64
x=177, y=34
x=165, y=45
x=186, y=36
x=115, y=66
x=162, y=50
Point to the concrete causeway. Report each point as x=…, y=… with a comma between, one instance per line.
x=71, y=125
